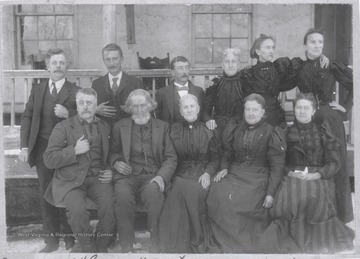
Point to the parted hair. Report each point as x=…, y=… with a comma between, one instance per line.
x=112, y=47
x=178, y=59
x=257, y=98
x=87, y=91
x=257, y=44
x=188, y=96
x=312, y=31
x=139, y=92
x=52, y=52
x=235, y=51
x=306, y=96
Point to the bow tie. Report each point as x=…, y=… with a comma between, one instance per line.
x=182, y=88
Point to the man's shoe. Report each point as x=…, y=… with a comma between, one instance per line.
x=69, y=244
x=49, y=248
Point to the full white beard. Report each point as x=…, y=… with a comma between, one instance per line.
x=190, y=118
x=141, y=120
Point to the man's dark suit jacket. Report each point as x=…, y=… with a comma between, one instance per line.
x=30, y=119
x=162, y=146
x=70, y=169
x=168, y=108
x=104, y=93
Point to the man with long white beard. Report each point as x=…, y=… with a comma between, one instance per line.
x=144, y=160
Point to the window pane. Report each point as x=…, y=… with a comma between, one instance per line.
x=29, y=51
x=221, y=25
x=45, y=8
x=219, y=46
x=203, y=51
x=203, y=25
x=29, y=25
x=202, y=7
x=243, y=45
x=64, y=27
x=63, y=8
x=67, y=46
x=46, y=27
x=239, y=25
x=44, y=46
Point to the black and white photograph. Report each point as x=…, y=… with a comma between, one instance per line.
x=179, y=129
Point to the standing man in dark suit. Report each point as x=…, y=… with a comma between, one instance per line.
x=144, y=160
x=49, y=103
x=78, y=151
x=114, y=88
x=168, y=98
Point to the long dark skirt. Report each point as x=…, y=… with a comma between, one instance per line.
x=342, y=183
x=304, y=214
x=183, y=223
x=235, y=210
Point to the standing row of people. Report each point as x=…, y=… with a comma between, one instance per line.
x=228, y=170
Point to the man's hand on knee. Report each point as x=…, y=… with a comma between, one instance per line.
x=122, y=168
x=160, y=181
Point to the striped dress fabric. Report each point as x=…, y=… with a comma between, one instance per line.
x=306, y=210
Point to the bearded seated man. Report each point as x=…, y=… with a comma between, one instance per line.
x=144, y=160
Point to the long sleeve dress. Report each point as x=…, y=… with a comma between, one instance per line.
x=224, y=101
x=254, y=156
x=183, y=222
x=310, y=77
x=303, y=213
x=268, y=79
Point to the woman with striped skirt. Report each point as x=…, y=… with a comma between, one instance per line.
x=304, y=210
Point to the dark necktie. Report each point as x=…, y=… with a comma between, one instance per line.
x=114, y=85
x=54, y=92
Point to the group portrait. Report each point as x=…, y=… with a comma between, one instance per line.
x=201, y=129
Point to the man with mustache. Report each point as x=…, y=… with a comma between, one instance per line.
x=49, y=103
x=78, y=151
x=168, y=97
x=114, y=87
x=144, y=160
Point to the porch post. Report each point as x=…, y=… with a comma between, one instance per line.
x=109, y=24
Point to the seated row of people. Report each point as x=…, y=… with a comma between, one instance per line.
x=197, y=198
x=220, y=107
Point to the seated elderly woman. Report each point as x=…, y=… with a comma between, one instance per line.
x=251, y=170
x=183, y=222
x=224, y=99
x=304, y=212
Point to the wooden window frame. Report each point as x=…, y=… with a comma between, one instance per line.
x=18, y=41
x=192, y=29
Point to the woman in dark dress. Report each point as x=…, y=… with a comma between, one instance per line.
x=311, y=78
x=251, y=170
x=183, y=222
x=224, y=99
x=304, y=213
x=269, y=78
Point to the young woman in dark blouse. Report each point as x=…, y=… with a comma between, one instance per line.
x=183, y=222
x=304, y=215
x=268, y=78
x=311, y=78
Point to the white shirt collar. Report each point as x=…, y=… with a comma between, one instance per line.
x=58, y=84
x=119, y=76
x=180, y=85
